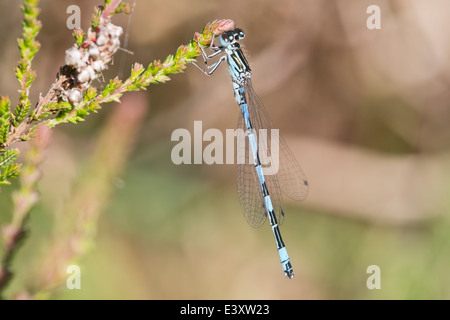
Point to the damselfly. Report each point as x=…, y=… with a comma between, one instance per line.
x=259, y=190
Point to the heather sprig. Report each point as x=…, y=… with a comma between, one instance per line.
x=28, y=47
x=71, y=98
x=140, y=78
x=8, y=168
x=21, y=124
x=9, y=121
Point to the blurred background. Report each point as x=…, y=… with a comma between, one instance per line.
x=365, y=112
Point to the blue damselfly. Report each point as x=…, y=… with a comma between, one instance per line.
x=259, y=190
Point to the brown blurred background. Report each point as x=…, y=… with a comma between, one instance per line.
x=364, y=111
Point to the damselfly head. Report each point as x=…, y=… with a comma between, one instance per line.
x=230, y=36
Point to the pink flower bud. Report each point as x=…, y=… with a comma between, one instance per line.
x=220, y=26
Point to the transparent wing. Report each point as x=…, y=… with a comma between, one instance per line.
x=282, y=172
x=290, y=176
x=285, y=175
x=248, y=186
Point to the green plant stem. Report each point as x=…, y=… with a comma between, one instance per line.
x=28, y=47
x=18, y=133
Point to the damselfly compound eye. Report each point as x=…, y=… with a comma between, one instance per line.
x=239, y=34
x=225, y=39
